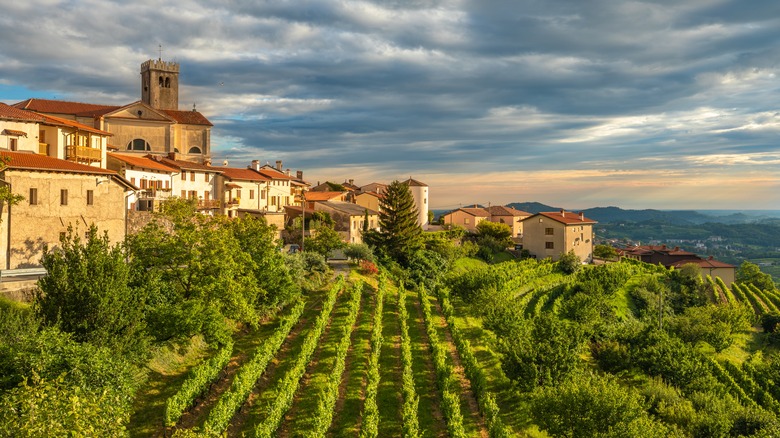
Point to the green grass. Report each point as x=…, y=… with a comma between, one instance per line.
x=467, y=264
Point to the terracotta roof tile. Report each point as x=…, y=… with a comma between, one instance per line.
x=566, y=217
x=188, y=117
x=273, y=174
x=478, y=212
x=64, y=107
x=242, y=174
x=142, y=162
x=704, y=263
x=499, y=210
x=15, y=132
x=59, y=121
x=323, y=196
x=186, y=165
x=9, y=112
x=414, y=183
x=31, y=161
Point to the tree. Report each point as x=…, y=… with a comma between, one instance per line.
x=750, y=273
x=324, y=241
x=399, y=236
x=500, y=232
x=606, y=252
x=569, y=263
x=6, y=195
x=86, y=292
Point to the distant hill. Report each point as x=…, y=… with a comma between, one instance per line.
x=532, y=207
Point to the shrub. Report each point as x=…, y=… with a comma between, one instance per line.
x=359, y=251
x=368, y=268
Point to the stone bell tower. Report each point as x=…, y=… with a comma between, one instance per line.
x=160, y=84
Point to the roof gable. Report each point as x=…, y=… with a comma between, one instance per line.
x=141, y=162
x=565, y=217
x=8, y=112
x=139, y=111
x=188, y=117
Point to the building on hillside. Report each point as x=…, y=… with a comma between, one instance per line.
x=153, y=124
x=57, y=194
x=350, y=219
x=374, y=187
x=369, y=200
x=243, y=189
x=328, y=186
x=154, y=179
x=22, y=130
x=195, y=181
x=509, y=216
x=280, y=189
x=420, y=194
x=552, y=234
x=673, y=256
x=315, y=197
x=467, y=218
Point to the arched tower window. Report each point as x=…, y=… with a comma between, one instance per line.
x=167, y=82
x=161, y=81
x=194, y=150
x=138, y=144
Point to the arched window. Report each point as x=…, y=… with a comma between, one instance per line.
x=176, y=150
x=167, y=82
x=138, y=144
x=194, y=150
x=161, y=81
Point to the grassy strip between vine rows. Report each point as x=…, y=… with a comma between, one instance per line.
x=411, y=428
x=486, y=400
x=444, y=373
x=220, y=416
x=289, y=383
x=326, y=404
x=370, y=426
x=197, y=383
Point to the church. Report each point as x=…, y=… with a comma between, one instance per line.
x=152, y=125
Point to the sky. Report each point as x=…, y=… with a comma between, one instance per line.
x=578, y=104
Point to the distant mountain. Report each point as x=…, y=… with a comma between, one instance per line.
x=532, y=207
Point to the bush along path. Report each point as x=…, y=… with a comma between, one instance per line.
x=411, y=426
x=390, y=394
x=289, y=383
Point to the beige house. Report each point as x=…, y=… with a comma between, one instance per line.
x=551, y=234
x=509, y=216
x=467, y=218
x=369, y=200
x=711, y=267
x=194, y=181
x=153, y=124
x=349, y=219
x=280, y=190
x=57, y=193
x=315, y=197
x=154, y=179
x=243, y=189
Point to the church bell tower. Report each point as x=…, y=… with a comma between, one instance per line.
x=160, y=84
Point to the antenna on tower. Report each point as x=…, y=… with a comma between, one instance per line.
x=159, y=48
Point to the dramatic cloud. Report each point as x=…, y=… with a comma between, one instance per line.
x=638, y=104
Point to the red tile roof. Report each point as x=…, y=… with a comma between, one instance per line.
x=499, y=210
x=188, y=117
x=414, y=183
x=273, y=174
x=323, y=196
x=15, y=132
x=59, y=121
x=660, y=248
x=242, y=174
x=186, y=165
x=142, y=162
x=566, y=217
x=9, y=112
x=31, y=161
x=64, y=107
x=474, y=211
x=703, y=263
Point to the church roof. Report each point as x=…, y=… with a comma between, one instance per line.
x=414, y=183
x=65, y=107
x=188, y=117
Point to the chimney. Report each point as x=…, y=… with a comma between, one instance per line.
x=279, y=165
x=563, y=213
x=710, y=258
x=582, y=216
x=299, y=175
x=172, y=155
x=287, y=172
x=351, y=181
x=255, y=164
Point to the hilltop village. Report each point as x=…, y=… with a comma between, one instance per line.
x=77, y=164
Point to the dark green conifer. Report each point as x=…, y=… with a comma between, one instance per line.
x=399, y=235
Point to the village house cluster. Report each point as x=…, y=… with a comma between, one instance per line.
x=78, y=164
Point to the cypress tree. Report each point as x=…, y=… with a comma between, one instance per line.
x=400, y=235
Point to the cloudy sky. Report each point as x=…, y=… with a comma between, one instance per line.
x=653, y=104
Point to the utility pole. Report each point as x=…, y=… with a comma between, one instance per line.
x=303, y=219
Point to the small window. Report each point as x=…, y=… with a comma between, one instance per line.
x=90, y=197
x=12, y=144
x=132, y=181
x=64, y=197
x=251, y=194
x=184, y=175
x=183, y=194
x=549, y=245
x=192, y=176
x=549, y=231
x=208, y=176
x=466, y=221
x=33, y=196
x=206, y=195
x=194, y=150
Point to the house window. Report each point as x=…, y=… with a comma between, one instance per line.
x=549, y=245
x=193, y=194
x=184, y=175
x=192, y=176
x=183, y=194
x=466, y=221
x=194, y=150
x=262, y=194
x=12, y=144
x=90, y=197
x=206, y=195
x=208, y=175
x=64, y=197
x=132, y=181
x=251, y=194
x=33, y=196
x=549, y=231
x=238, y=193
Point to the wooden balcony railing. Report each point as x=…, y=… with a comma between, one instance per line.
x=83, y=154
x=154, y=194
x=208, y=203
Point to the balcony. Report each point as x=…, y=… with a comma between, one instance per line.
x=83, y=154
x=43, y=148
x=206, y=204
x=160, y=194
